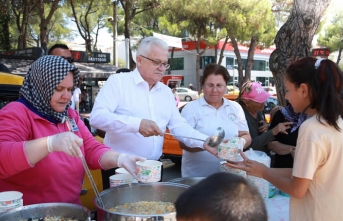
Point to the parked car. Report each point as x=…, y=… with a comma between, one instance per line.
x=270, y=104
x=10, y=85
x=232, y=89
x=186, y=94
x=270, y=90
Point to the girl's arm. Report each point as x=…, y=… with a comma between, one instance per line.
x=280, y=178
x=296, y=187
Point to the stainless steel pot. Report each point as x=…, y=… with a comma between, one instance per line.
x=135, y=192
x=190, y=181
x=35, y=211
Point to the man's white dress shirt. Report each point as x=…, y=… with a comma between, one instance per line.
x=124, y=101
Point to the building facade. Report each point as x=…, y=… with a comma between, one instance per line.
x=184, y=61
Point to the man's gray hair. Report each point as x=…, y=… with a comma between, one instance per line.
x=145, y=45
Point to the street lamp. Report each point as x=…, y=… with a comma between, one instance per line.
x=115, y=33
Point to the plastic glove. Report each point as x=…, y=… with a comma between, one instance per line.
x=66, y=142
x=129, y=163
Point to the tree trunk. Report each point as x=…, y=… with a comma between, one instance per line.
x=4, y=23
x=45, y=21
x=197, y=64
x=127, y=6
x=293, y=40
x=221, y=56
x=339, y=55
x=171, y=60
x=250, y=59
x=23, y=27
x=241, y=79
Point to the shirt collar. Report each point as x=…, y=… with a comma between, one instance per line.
x=203, y=102
x=138, y=79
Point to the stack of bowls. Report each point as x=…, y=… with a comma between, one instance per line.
x=10, y=200
x=120, y=179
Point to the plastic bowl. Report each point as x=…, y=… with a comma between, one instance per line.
x=10, y=198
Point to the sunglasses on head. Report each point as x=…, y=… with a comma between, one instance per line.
x=69, y=59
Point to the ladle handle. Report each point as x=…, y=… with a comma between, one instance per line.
x=87, y=170
x=92, y=181
x=185, y=137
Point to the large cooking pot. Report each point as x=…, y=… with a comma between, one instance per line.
x=35, y=211
x=190, y=181
x=135, y=192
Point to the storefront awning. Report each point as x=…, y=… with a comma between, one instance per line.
x=87, y=70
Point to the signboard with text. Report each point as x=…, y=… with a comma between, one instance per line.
x=94, y=57
x=320, y=52
x=79, y=56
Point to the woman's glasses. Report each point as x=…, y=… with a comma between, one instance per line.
x=219, y=87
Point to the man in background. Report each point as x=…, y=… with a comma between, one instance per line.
x=63, y=51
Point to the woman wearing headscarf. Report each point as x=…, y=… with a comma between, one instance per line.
x=42, y=139
x=284, y=144
x=252, y=98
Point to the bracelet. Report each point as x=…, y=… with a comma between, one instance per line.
x=48, y=144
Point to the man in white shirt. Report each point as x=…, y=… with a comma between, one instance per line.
x=135, y=108
x=77, y=98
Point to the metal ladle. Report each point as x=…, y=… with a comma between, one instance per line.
x=85, y=166
x=214, y=141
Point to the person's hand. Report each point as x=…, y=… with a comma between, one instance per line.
x=282, y=128
x=149, y=128
x=212, y=150
x=66, y=142
x=264, y=127
x=251, y=167
x=129, y=163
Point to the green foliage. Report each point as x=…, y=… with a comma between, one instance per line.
x=89, y=16
x=333, y=37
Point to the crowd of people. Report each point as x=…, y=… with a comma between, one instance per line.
x=134, y=109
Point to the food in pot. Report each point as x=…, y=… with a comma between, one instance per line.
x=51, y=218
x=145, y=208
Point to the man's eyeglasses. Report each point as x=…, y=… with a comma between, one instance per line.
x=157, y=62
x=69, y=59
x=219, y=87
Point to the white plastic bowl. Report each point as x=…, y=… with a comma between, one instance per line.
x=10, y=198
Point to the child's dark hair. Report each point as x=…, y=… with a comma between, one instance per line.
x=324, y=80
x=221, y=196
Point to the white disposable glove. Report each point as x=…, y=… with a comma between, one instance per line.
x=66, y=142
x=129, y=163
